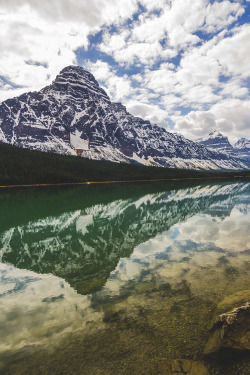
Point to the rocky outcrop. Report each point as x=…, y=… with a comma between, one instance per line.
x=231, y=328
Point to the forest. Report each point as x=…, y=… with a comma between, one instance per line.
x=27, y=167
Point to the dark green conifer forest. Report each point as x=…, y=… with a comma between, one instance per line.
x=20, y=166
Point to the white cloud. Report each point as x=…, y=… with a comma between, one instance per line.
x=233, y=52
x=137, y=101
x=114, y=42
x=195, y=83
x=200, y=94
x=148, y=112
x=196, y=124
x=230, y=116
x=151, y=5
x=48, y=33
x=118, y=88
x=142, y=53
x=174, y=27
x=101, y=70
x=234, y=88
x=235, y=111
x=93, y=14
x=196, y=67
x=221, y=14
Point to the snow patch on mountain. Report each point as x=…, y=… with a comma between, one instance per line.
x=77, y=142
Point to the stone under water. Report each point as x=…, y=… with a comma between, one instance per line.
x=231, y=329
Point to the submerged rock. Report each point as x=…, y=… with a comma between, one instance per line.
x=181, y=367
x=234, y=300
x=231, y=329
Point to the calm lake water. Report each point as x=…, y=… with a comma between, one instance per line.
x=112, y=279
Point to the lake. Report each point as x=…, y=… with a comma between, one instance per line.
x=114, y=279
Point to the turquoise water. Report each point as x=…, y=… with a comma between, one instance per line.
x=112, y=279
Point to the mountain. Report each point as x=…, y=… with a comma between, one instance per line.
x=219, y=142
x=216, y=141
x=242, y=149
x=75, y=116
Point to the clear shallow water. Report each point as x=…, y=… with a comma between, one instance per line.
x=113, y=279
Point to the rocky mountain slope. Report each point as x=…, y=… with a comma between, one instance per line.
x=217, y=141
x=75, y=116
x=242, y=149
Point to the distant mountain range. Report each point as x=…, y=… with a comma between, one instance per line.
x=75, y=116
x=219, y=142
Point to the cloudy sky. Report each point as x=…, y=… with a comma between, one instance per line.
x=183, y=64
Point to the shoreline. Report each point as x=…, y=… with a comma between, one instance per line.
x=125, y=181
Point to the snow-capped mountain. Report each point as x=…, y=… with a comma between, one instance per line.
x=242, y=149
x=242, y=144
x=219, y=142
x=75, y=116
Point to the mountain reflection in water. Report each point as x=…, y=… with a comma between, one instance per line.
x=83, y=247
x=59, y=274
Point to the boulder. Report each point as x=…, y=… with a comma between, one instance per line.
x=231, y=329
x=234, y=300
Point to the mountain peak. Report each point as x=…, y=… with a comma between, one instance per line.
x=242, y=143
x=217, y=141
x=74, y=74
x=75, y=69
x=216, y=134
x=74, y=115
x=78, y=82
x=242, y=149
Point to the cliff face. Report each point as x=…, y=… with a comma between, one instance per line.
x=75, y=116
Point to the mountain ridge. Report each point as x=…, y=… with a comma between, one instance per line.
x=74, y=116
x=217, y=141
